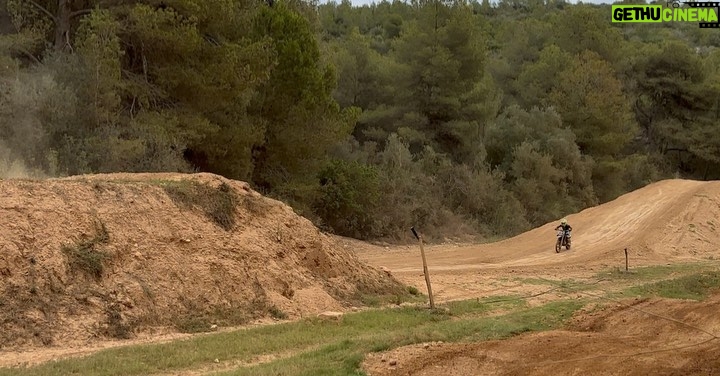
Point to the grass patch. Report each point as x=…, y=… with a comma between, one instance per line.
x=414, y=291
x=242, y=345
x=694, y=286
x=199, y=319
x=193, y=324
x=483, y=306
x=84, y=256
x=344, y=356
x=325, y=347
x=370, y=294
x=566, y=285
x=381, y=300
x=655, y=272
x=218, y=204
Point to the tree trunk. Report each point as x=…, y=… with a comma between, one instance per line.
x=62, y=25
x=6, y=25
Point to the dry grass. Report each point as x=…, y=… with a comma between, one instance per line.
x=218, y=204
x=84, y=255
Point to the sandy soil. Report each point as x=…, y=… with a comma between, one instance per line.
x=167, y=264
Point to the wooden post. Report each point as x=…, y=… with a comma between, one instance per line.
x=626, y=260
x=425, y=268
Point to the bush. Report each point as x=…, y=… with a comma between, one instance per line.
x=480, y=195
x=347, y=198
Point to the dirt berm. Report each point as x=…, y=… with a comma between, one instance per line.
x=114, y=255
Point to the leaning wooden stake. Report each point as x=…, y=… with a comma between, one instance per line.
x=626, y=260
x=425, y=268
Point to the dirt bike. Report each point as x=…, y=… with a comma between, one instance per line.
x=563, y=240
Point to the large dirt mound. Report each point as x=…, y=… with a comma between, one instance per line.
x=108, y=255
x=615, y=341
x=671, y=220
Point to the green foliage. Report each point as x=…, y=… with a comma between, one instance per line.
x=544, y=166
x=590, y=100
x=358, y=72
x=98, y=44
x=442, y=56
x=348, y=195
x=457, y=118
x=413, y=193
x=481, y=195
x=200, y=320
x=678, y=109
x=413, y=290
x=303, y=120
x=538, y=78
x=584, y=27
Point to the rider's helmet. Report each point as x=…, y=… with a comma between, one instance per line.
x=564, y=221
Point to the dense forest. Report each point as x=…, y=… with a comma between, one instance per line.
x=460, y=118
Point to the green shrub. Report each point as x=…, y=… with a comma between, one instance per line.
x=347, y=198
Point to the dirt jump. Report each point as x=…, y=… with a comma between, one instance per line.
x=92, y=260
x=668, y=222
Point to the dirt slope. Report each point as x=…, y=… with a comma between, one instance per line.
x=167, y=264
x=667, y=220
x=614, y=341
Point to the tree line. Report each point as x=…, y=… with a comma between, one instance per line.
x=461, y=118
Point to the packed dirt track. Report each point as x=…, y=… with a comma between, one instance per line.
x=665, y=223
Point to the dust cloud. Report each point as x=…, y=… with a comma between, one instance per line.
x=14, y=168
x=26, y=108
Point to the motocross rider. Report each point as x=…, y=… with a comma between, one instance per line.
x=565, y=226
